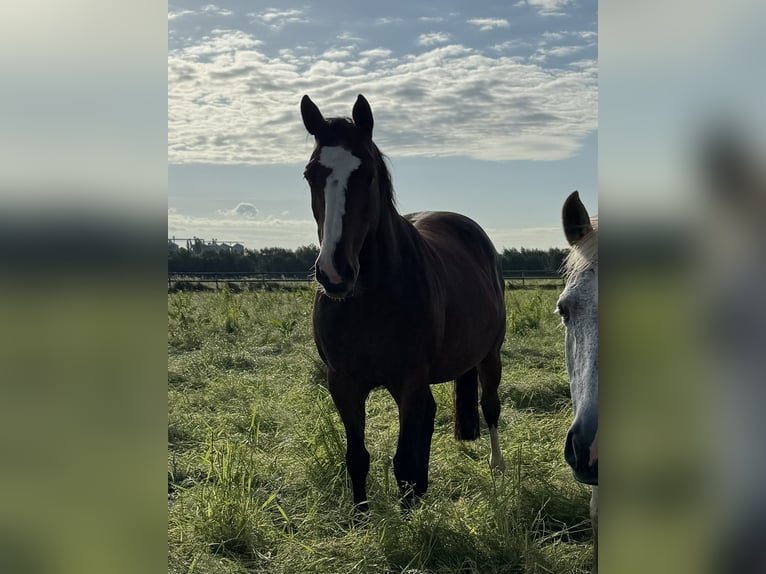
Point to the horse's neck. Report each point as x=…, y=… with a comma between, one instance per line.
x=389, y=248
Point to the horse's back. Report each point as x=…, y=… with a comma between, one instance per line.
x=460, y=246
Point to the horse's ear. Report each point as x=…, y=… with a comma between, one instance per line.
x=362, y=115
x=575, y=218
x=312, y=117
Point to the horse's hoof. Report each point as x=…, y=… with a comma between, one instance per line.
x=361, y=515
x=409, y=501
x=497, y=465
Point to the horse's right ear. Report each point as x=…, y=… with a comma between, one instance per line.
x=312, y=117
x=575, y=218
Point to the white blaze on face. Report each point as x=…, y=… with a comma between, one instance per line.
x=341, y=163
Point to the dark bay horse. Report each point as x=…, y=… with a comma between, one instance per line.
x=403, y=302
x=578, y=307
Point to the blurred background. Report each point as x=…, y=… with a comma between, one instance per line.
x=682, y=195
x=681, y=192
x=83, y=110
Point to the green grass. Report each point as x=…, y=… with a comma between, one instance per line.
x=256, y=471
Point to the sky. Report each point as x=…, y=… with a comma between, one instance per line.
x=485, y=108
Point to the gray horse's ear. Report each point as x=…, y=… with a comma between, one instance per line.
x=362, y=116
x=312, y=117
x=575, y=218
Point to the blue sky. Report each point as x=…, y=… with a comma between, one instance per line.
x=487, y=108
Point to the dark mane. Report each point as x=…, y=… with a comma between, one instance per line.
x=384, y=176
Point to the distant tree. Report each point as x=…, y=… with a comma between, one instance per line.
x=281, y=260
x=533, y=259
x=306, y=256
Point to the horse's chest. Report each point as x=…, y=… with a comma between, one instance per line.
x=379, y=343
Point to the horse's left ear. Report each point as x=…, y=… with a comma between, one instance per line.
x=575, y=218
x=362, y=115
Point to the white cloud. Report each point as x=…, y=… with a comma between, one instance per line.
x=348, y=37
x=253, y=233
x=277, y=19
x=386, y=21
x=433, y=38
x=336, y=54
x=486, y=24
x=588, y=36
x=432, y=19
x=213, y=9
x=510, y=45
x=542, y=54
x=549, y=7
x=229, y=103
x=210, y=9
x=246, y=210
x=376, y=53
x=563, y=44
x=180, y=14
x=583, y=64
x=553, y=36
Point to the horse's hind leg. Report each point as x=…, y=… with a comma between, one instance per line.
x=490, y=371
x=349, y=399
x=466, y=393
x=417, y=409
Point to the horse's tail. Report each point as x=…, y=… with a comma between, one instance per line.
x=467, y=406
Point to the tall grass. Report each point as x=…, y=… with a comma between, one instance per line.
x=257, y=479
x=526, y=310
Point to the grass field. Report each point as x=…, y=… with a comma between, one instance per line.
x=256, y=471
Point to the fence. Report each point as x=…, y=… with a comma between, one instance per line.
x=512, y=278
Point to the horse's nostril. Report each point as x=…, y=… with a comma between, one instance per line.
x=345, y=271
x=570, y=450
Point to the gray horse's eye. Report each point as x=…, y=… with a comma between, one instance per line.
x=563, y=312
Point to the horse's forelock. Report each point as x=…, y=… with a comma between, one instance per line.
x=584, y=254
x=341, y=132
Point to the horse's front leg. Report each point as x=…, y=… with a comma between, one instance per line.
x=349, y=397
x=417, y=410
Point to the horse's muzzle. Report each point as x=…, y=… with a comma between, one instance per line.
x=577, y=453
x=339, y=290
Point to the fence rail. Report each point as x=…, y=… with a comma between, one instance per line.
x=220, y=278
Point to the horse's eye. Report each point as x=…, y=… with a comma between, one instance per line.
x=563, y=312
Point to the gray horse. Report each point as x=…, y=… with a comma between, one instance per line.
x=578, y=308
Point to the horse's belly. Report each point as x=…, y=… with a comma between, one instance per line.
x=456, y=360
x=386, y=359
x=385, y=343
x=375, y=359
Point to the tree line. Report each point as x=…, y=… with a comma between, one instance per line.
x=301, y=260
